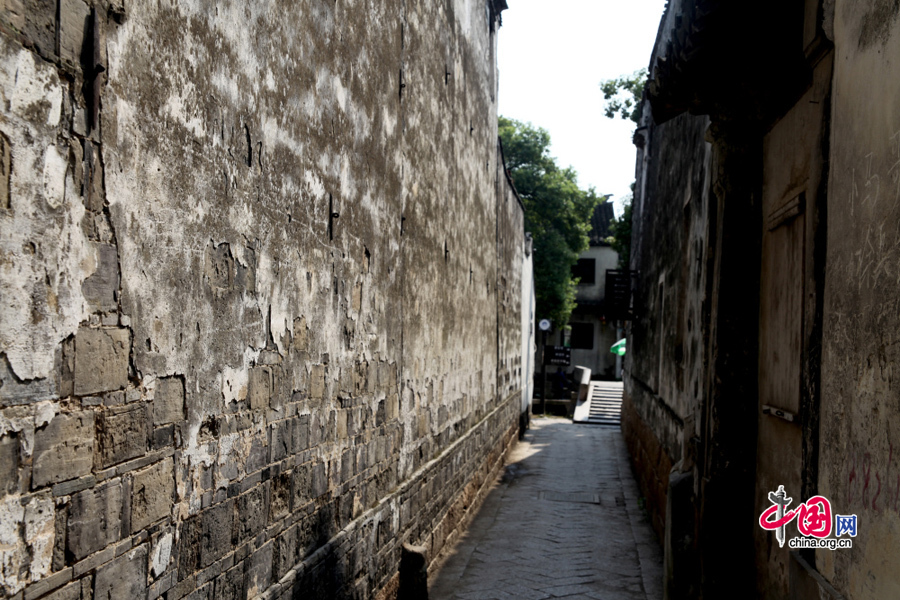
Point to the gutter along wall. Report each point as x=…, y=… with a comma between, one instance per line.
x=261, y=294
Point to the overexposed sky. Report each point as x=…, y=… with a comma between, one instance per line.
x=553, y=56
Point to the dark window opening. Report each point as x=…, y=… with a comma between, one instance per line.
x=585, y=270
x=582, y=336
x=620, y=294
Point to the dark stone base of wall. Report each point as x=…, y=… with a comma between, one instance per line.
x=467, y=504
x=429, y=509
x=650, y=462
x=463, y=510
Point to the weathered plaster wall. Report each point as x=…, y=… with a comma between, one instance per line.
x=805, y=190
x=605, y=258
x=665, y=364
x=261, y=310
x=512, y=300
x=860, y=421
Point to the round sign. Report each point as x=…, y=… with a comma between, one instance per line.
x=544, y=325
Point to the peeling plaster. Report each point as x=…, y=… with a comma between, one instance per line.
x=228, y=136
x=162, y=552
x=44, y=254
x=26, y=540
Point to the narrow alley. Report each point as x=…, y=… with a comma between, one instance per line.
x=282, y=284
x=565, y=521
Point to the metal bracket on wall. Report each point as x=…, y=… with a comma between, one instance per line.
x=787, y=211
x=780, y=413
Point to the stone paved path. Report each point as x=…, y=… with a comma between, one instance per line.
x=563, y=523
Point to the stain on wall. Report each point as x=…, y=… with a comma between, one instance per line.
x=798, y=316
x=666, y=370
x=260, y=276
x=859, y=467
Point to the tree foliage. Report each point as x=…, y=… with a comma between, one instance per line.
x=557, y=213
x=623, y=95
x=620, y=235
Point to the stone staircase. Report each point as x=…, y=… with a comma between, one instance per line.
x=603, y=405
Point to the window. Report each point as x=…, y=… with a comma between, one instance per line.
x=585, y=270
x=582, y=336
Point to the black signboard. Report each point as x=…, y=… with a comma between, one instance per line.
x=560, y=356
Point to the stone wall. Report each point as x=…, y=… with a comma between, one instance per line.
x=260, y=278
x=859, y=461
x=665, y=364
x=795, y=325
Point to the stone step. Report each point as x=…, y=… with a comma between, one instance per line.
x=603, y=405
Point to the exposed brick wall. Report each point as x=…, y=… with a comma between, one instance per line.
x=650, y=461
x=260, y=280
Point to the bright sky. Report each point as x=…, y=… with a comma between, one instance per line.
x=552, y=58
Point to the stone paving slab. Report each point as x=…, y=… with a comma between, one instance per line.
x=542, y=533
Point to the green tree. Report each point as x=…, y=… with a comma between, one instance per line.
x=624, y=98
x=557, y=213
x=620, y=235
x=623, y=95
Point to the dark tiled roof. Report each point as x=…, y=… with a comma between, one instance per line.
x=600, y=220
x=708, y=59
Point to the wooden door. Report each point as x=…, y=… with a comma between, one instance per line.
x=779, y=442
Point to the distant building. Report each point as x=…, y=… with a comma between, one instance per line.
x=591, y=334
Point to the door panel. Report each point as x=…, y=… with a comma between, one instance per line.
x=779, y=445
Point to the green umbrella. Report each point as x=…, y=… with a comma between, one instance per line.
x=618, y=347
